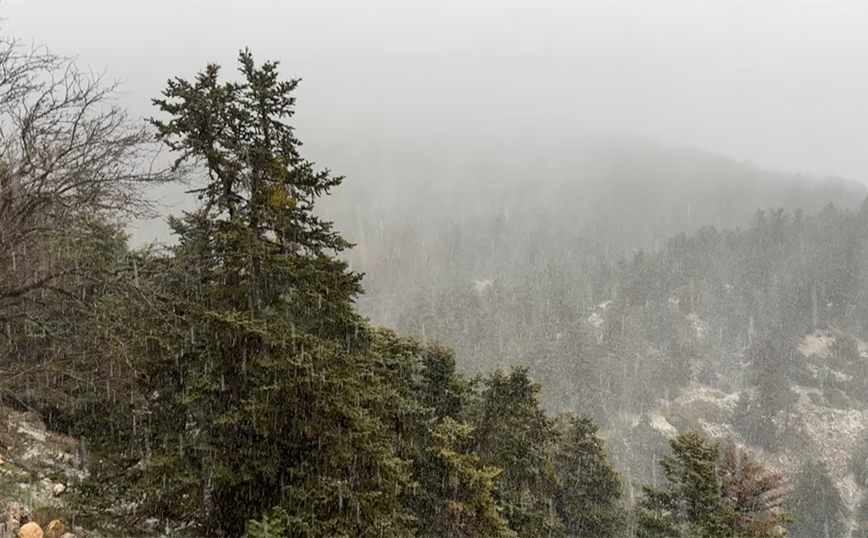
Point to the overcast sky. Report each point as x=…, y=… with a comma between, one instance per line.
x=783, y=83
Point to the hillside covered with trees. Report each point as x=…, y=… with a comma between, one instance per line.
x=227, y=384
x=523, y=211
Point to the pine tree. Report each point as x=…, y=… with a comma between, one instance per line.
x=589, y=489
x=276, y=397
x=690, y=502
x=440, y=388
x=452, y=494
x=514, y=434
x=465, y=504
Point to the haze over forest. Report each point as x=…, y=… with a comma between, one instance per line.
x=777, y=85
x=579, y=269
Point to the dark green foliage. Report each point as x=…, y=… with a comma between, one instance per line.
x=463, y=501
x=706, y=497
x=272, y=524
x=690, y=502
x=441, y=389
x=261, y=402
x=269, y=392
x=58, y=331
x=492, y=464
x=453, y=493
x=588, y=498
x=514, y=434
x=819, y=510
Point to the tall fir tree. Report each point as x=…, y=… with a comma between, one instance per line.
x=275, y=398
x=689, y=504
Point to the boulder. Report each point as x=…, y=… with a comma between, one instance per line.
x=55, y=529
x=59, y=489
x=30, y=530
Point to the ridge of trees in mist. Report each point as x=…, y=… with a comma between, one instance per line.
x=227, y=385
x=443, y=215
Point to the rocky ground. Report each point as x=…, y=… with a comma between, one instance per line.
x=37, y=469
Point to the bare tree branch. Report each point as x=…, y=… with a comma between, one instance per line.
x=69, y=155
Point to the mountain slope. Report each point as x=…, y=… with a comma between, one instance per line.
x=429, y=219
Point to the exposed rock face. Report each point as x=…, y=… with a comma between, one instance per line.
x=38, y=468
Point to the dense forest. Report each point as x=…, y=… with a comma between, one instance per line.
x=759, y=288
x=227, y=384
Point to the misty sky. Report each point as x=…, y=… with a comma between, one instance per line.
x=783, y=83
